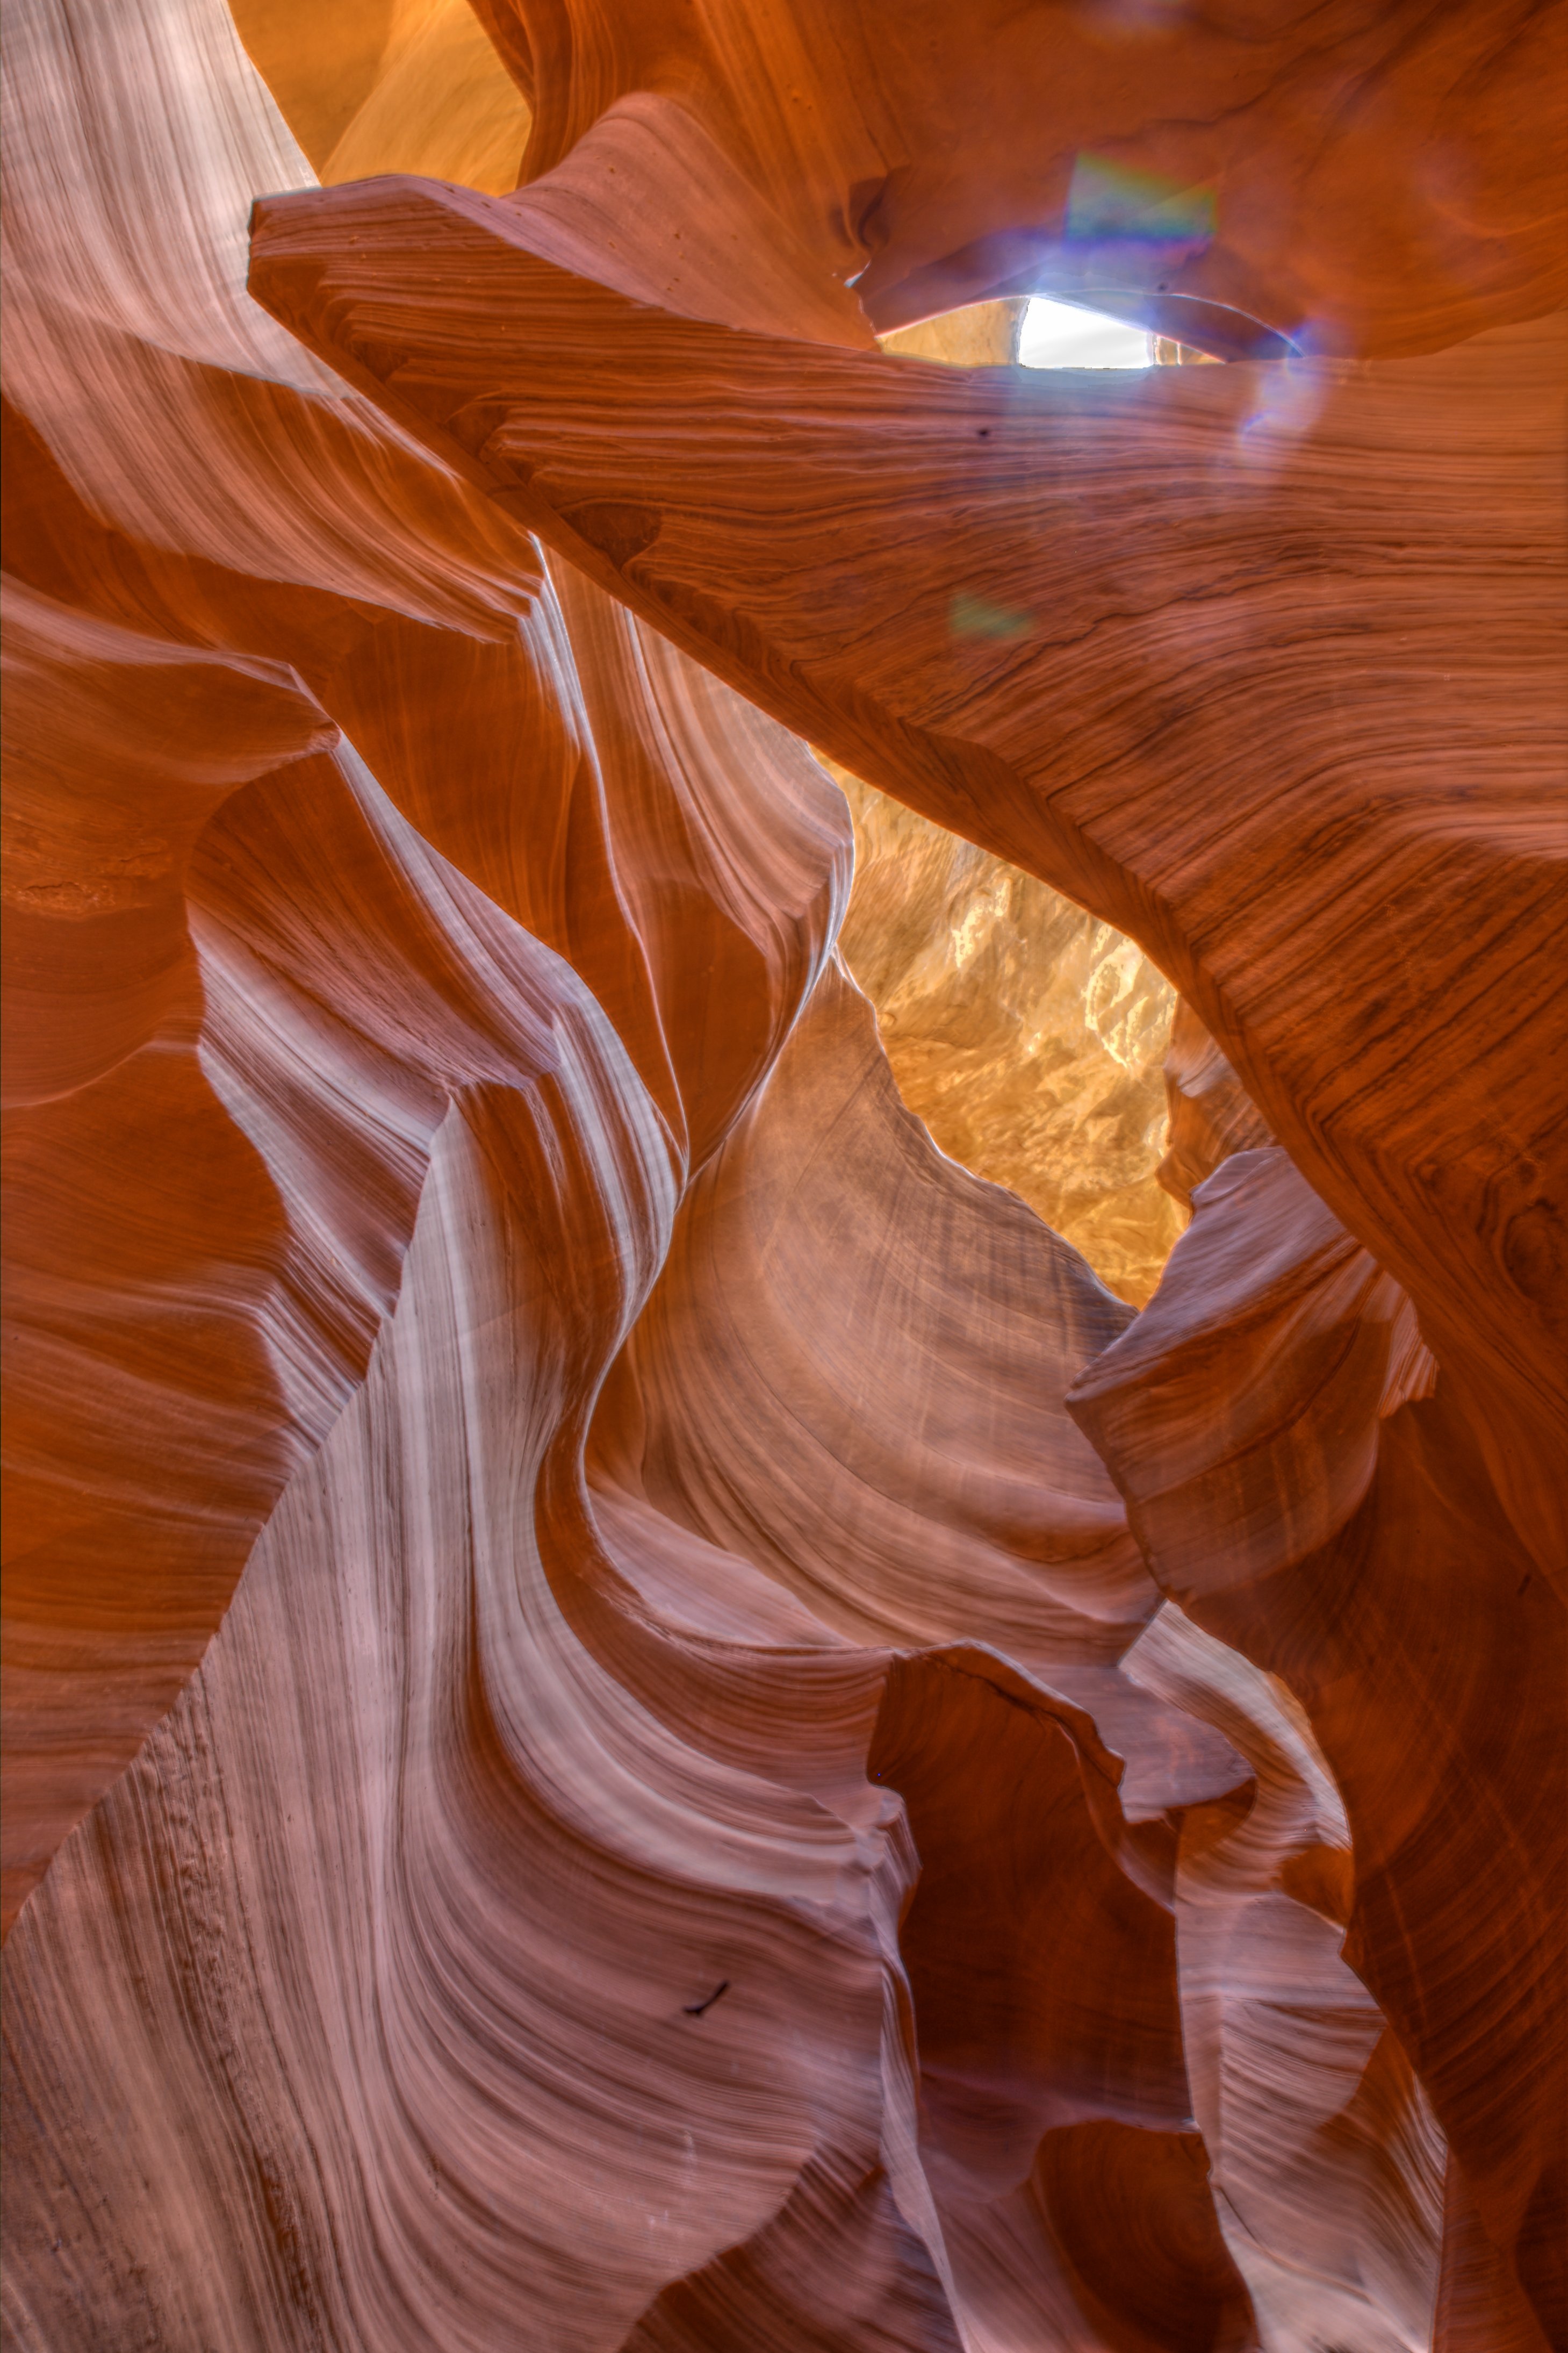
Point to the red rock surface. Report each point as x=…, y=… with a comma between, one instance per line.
x=1377, y=180
x=638, y=1715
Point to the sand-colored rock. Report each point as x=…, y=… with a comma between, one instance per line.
x=371, y=86
x=1028, y=1036
x=639, y=1713
x=976, y=628
x=981, y=334
x=1211, y=1115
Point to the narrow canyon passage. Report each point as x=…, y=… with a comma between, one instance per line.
x=785, y=834
x=1029, y=1038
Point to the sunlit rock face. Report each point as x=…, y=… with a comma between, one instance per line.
x=981, y=334
x=372, y=86
x=640, y=1716
x=1028, y=1036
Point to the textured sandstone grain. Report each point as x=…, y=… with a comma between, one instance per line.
x=1383, y=180
x=1306, y=904
x=1028, y=1036
x=639, y=1713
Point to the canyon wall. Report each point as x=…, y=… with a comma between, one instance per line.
x=692, y=1659
x=1029, y=1037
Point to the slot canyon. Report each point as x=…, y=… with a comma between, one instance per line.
x=786, y=1530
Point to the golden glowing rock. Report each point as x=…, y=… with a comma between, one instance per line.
x=370, y=86
x=1027, y=1034
x=983, y=334
x=639, y=1718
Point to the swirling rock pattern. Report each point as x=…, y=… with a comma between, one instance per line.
x=1355, y=180
x=970, y=636
x=639, y=1713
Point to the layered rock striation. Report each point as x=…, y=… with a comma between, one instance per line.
x=640, y=1712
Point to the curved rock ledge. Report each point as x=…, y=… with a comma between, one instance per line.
x=641, y=1717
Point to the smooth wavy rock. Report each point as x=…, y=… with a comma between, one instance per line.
x=449, y=1020
x=192, y=508
x=639, y=1713
x=390, y=86
x=1359, y=181
x=1048, y=613
x=1327, y=1519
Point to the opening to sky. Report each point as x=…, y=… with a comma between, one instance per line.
x=1058, y=334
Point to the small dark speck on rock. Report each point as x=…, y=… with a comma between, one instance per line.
x=696, y=2009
